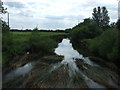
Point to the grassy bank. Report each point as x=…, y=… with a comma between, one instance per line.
x=92, y=40
x=24, y=36
x=37, y=44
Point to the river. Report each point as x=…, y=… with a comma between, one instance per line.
x=65, y=48
x=79, y=70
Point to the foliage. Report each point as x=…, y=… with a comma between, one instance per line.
x=2, y=9
x=10, y=47
x=106, y=45
x=6, y=41
x=118, y=24
x=40, y=45
x=100, y=16
x=5, y=27
x=113, y=25
x=87, y=29
x=68, y=30
x=18, y=43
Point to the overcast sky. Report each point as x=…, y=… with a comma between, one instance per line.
x=54, y=14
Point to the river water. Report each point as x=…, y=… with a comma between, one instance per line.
x=70, y=57
x=20, y=71
x=65, y=48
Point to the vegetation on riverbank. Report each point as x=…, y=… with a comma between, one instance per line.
x=30, y=60
x=26, y=45
x=93, y=38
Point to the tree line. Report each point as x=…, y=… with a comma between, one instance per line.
x=96, y=37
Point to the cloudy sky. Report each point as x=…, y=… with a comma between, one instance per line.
x=54, y=14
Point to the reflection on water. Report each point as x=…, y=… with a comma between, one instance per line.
x=88, y=61
x=65, y=48
x=82, y=73
x=19, y=71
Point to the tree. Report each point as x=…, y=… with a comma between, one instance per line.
x=5, y=27
x=113, y=25
x=118, y=24
x=85, y=30
x=2, y=9
x=100, y=16
x=68, y=30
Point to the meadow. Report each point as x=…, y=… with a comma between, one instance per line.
x=24, y=36
x=35, y=42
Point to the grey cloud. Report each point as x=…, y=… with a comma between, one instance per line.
x=15, y=4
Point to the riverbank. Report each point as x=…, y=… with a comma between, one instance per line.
x=66, y=69
x=82, y=47
x=18, y=78
x=23, y=61
x=25, y=53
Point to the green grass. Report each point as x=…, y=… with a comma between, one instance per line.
x=20, y=39
x=41, y=43
x=41, y=33
x=24, y=36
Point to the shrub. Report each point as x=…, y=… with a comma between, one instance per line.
x=106, y=45
x=7, y=42
x=41, y=45
x=87, y=29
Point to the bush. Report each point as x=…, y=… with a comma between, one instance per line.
x=87, y=29
x=41, y=45
x=7, y=42
x=106, y=45
x=79, y=33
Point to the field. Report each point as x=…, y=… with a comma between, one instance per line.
x=23, y=36
x=19, y=42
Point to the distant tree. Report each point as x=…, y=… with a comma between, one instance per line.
x=2, y=9
x=5, y=27
x=118, y=24
x=88, y=21
x=100, y=16
x=113, y=25
x=68, y=30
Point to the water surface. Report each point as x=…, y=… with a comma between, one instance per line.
x=65, y=48
x=23, y=70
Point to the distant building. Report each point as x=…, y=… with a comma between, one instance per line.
x=119, y=9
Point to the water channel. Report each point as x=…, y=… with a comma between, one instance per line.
x=70, y=57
